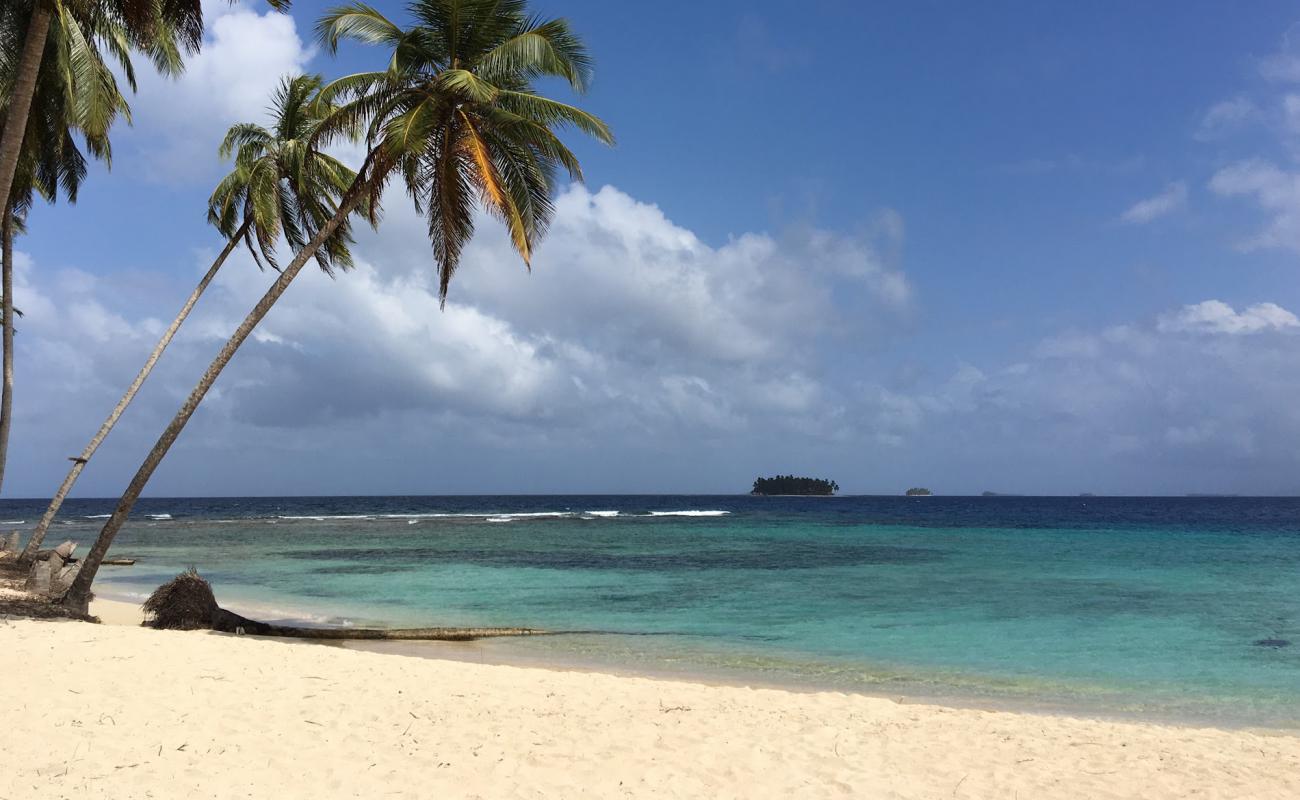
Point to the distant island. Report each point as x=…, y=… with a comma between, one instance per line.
x=917, y=491
x=789, y=484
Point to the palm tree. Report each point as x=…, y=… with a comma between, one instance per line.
x=72, y=89
x=456, y=115
x=279, y=185
x=155, y=27
x=49, y=158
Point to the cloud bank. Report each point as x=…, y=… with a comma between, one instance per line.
x=635, y=357
x=630, y=333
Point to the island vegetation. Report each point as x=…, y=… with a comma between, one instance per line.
x=789, y=484
x=918, y=491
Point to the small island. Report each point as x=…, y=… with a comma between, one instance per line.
x=791, y=485
x=917, y=491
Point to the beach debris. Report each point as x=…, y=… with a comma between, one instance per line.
x=10, y=543
x=53, y=571
x=1274, y=643
x=187, y=602
x=184, y=603
x=38, y=580
x=61, y=554
x=61, y=581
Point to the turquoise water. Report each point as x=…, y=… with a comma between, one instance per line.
x=1154, y=606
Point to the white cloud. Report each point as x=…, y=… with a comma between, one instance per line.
x=1168, y=201
x=179, y=123
x=636, y=356
x=630, y=333
x=1277, y=191
x=1215, y=316
x=1131, y=408
x=1224, y=117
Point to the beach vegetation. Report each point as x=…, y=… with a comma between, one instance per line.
x=73, y=91
x=188, y=603
x=280, y=187
x=184, y=603
x=52, y=49
x=455, y=116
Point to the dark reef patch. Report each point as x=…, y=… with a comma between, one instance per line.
x=777, y=556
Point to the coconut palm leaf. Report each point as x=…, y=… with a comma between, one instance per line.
x=457, y=117
x=281, y=186
x=454, y=152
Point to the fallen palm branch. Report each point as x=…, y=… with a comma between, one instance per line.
x=186, y=602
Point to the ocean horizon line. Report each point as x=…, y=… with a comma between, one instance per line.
x=899, y=494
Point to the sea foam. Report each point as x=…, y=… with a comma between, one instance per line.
x=689, y=513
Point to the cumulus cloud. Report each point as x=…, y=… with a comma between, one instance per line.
x=1173, y=198
x=630, y=334
x=179, y=123
x=624, y=314
x=1185, y=404
x=637, y=357
x=1215, y=316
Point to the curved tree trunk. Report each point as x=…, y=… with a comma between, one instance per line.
x=230, y=622
x=78, y=595
x=20, y=102
x=7, y=321
x=79, y=462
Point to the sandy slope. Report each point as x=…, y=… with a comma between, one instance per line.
x=114, y=711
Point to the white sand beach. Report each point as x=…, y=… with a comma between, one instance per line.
x=117, y=711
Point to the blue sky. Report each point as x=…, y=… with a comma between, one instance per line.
x=1030, y=248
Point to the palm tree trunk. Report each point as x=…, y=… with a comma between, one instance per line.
x=20, y=102
x=7, y=340
x=79, y=463
x=78, y=595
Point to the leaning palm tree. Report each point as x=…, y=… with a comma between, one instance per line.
x=280, y=185
x=149, y=26
x=456, y=115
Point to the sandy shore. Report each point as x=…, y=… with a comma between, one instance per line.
x=116, y=711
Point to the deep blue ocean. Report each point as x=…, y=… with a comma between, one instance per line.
x=1185, y=608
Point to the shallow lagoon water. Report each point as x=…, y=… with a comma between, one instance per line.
x=1144, y=605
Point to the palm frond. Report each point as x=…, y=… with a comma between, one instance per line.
x=455, y=114
x=552, y=113
x=463, y=83
x=356, y=21
x=496, y=196
x=546, y=49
